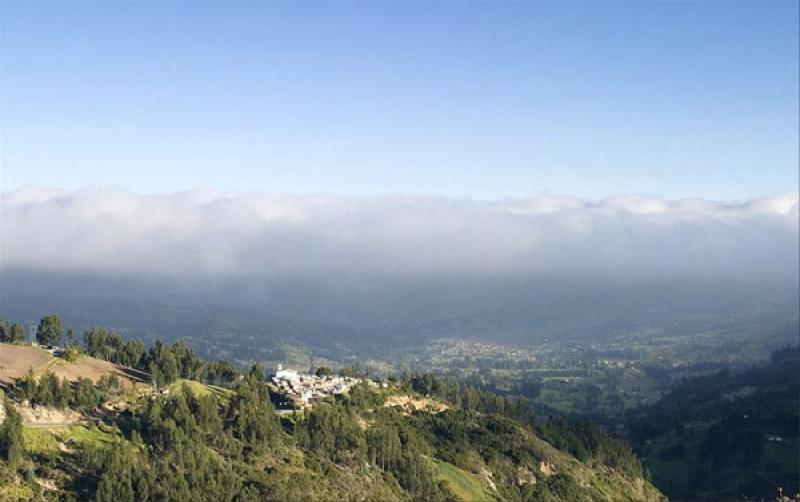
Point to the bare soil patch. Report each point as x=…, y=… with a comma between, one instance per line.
x=412, y=403
x=16, y=360
x=92, y=369
x=41, y=415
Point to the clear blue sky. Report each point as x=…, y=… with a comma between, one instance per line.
x=479, y=99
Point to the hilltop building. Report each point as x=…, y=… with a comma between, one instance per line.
x=286, y=374
x=301, y=390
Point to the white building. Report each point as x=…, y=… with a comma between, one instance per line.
x=286, y=374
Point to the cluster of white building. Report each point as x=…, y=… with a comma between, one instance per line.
x=301, y=390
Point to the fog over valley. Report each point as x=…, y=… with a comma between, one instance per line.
x=399, y=251
x=368, y=270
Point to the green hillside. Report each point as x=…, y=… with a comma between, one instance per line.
x=727, y=435
x=199, y=389
x=218, y=438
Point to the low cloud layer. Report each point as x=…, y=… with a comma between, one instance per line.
x=215, y=235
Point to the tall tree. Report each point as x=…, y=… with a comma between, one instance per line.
x=72, y=340
x=11, y=446
x=323, y=371
x=5, y=331
x=17, y=333
x=49, y=330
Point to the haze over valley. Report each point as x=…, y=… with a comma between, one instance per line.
x=407, y=251
x=348, y=276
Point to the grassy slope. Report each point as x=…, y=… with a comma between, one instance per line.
x=39, y=441
x=602, y=483
x=43, y=440
x=199, y=389
x=465, y=486
x=92, y=435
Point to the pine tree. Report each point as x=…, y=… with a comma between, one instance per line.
x=17, y=334
x=49, y=330
x=11, y=445
x=72, y=340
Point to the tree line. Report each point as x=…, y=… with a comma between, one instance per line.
x=52, y=391
x=165, y=363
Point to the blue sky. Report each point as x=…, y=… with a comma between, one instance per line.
x=462, y=99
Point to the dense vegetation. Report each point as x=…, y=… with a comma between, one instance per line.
x=51, y=391
x=580, y=438
x=725, y=435
x=11, y=333
x=230, y=445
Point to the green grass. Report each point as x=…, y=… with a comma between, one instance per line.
x=12, y=489
x=82, y=434
x=463, y=485
x=46, y=441
x=39, y=440
x=558, y=400
x=199, y=389
x=220, y=391
x=299, y=414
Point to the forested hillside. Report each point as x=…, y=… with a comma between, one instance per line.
x=725, y=436
x=207, y=431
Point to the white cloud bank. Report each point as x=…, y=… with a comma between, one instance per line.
x=208, y=234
